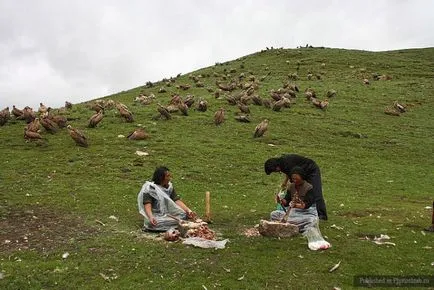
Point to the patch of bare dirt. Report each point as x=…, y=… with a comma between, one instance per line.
x=40, y=229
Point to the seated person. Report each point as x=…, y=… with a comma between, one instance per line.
x=158, y=202
x=300, y=209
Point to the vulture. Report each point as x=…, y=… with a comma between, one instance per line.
x=138, y=134
x=33, y=126
x=278, y=105
x=31, y=135
x=219, y=116
x=257, y=100
x=4, y=116
x=49, y=125
x=231, y=100
x=78, y=137
x=331, y=94
x=243, y=108
x=68, y=105
x=176, y=99
x=202, y=106
x=189, y=100
x=266, y=103
x=243, y=118
x=261, y=128
x=59, y=120
x=320, y=104
x=311, y=92
x=391, y=111
x=95, y=119
x=42, y=109
x=16, y=112
x=164, y=112
x=183, y=108
x=125, y=113
x=28, y=114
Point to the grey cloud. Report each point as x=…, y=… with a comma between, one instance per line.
x=52, y=51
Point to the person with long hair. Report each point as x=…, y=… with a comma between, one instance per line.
x=159, y=203
x=286, y=164
x=299, y=208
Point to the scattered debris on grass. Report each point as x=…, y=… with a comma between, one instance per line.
x=335, y=267
x=114, y=218
x=142, y=153
x=252, y=232
x=381, y=240
x=333, y=226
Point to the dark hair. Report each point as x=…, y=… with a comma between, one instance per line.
x=298, y=170
x=270, y=165
x=159, y=174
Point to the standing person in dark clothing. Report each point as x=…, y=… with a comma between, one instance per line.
x=286, y=163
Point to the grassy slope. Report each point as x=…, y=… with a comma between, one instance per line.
x=379, y=184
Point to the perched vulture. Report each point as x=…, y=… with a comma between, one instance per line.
x=320, y=104
x=189, y=100
x=257, y=100
x=202, y=106
x=28, y=114
x=42, y=109
x=31, y=135
x=34, y=126
x=183, y=108
x=243, y=118
x=95, y=119
x=261, y=128
x=68, y=105
x=61, y=121
x=4, y=116
x=176, y=99
x=219, y=116
x=331, y=94
x=278, y=105
x=78, y=137
x=164, y=112
x=126, y=114
x=243, y=108
x=16, y=112
x=138, y=134
x=266, y=103
x=231, y=100
x=49, y=125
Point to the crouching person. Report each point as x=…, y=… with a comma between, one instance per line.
x=300, y=209
x=159, y=204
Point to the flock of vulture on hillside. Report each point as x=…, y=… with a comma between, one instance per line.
x=241, y=92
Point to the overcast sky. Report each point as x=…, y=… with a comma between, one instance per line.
x=57, y=50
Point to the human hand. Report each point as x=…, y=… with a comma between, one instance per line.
x=153, y=221
x=191, y=214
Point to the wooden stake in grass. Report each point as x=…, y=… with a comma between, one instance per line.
x=207, y=207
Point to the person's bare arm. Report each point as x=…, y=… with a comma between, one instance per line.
x=148, y=211
x=187, y=210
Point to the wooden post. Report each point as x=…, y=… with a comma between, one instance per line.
x=207, y=207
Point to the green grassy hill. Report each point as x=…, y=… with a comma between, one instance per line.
x=377, y=174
